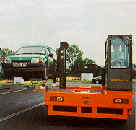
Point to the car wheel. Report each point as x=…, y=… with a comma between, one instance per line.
x=93, y=81
x=26, y=78
x=3, y=73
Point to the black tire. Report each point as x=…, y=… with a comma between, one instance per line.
x=93, y=81
x=100, y=81
x=3, y=73
x=26, y=78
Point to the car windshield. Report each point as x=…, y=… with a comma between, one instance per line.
x=30, y=50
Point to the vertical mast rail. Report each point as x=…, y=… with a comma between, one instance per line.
x=62, y=63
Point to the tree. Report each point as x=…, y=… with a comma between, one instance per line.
x=6, y=51
x=88, y=61
x=76, y=64
x=74, y=54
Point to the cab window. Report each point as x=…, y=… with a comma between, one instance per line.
x=119, y=52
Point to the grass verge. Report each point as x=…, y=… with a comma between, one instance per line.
x=5, y=82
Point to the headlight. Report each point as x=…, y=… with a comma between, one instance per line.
x=60, y=99
x=40, y=60
x=35, y=60
x=3, y=60
x=56, y=98
x=120, y=101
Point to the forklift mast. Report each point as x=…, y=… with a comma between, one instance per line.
x=61, y=62
x=118, y=62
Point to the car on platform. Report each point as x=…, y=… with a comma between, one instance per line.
x=31, y=61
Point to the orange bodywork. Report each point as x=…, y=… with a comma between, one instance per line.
x=89, y=102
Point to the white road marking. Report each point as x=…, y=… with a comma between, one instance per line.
x=20, y=112
x=4, y=93
x=20, y=90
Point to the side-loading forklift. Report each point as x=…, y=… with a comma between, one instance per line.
x=113, y=99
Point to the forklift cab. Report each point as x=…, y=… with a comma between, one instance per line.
x=118, y=62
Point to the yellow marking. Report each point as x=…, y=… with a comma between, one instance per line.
x=118, y=80
x=86, y=87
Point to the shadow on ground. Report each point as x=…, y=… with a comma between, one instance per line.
x=37, y=119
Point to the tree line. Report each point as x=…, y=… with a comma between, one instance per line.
x=77, y=64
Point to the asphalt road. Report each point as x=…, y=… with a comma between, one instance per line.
x=23, y=110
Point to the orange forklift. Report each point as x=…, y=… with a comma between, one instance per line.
x=113, y=99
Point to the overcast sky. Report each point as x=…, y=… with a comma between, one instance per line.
x=83, y=22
